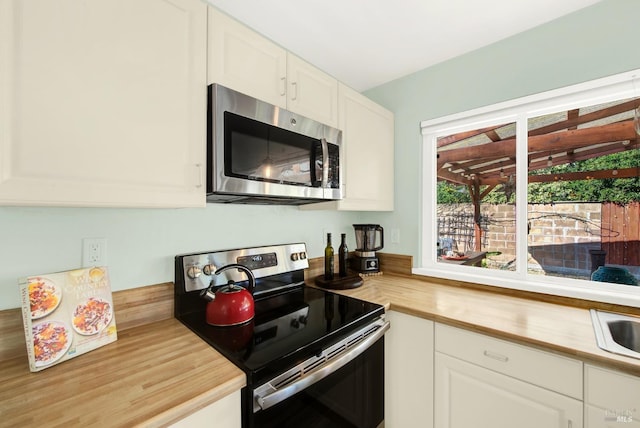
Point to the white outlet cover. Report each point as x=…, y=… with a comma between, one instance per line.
x=94, y=252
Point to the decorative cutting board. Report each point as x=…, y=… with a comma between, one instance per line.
x=338, y=283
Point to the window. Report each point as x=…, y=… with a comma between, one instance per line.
x=540, y=193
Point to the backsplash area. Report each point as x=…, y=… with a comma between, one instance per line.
x=142, y=243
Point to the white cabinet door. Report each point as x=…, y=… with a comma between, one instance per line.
x=224, y=413
x=469, y=396
x=311, y=92
x=367, y=155
x=243, y=60
x=612, y=399
x=102, y=103
x=369, y=152
x=408, y=365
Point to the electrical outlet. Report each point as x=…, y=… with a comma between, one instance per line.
x=94, y=252
x=395, y=235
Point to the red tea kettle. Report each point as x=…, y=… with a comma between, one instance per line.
x=231, y=304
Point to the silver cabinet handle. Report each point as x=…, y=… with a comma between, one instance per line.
x=283, y=86
x=275, y=397
x=199, y=175
x=496, y=356
x=294, y=86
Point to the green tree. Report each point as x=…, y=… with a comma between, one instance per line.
x=449, y=193
x=619, y=190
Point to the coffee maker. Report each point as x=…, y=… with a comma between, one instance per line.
x=369, y=239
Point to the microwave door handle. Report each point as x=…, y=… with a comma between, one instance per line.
x=325, y=163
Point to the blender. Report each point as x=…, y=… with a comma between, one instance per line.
x=369, y=239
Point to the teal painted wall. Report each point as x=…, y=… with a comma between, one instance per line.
x=594, y=42
x=141, y=243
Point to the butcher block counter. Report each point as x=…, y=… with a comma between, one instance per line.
x=548, y=322
x=156, y=373
x=159, y=372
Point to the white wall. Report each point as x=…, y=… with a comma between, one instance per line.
x=141, y=243
x=594, y=42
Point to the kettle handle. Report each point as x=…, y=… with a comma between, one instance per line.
x=246, y=270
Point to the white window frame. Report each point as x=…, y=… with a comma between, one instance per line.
x=620, y=86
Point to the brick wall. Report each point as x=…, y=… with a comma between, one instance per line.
x=560, y=235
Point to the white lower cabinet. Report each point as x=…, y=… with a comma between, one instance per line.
x=483, y=382
x=224, y=413
x=469, y=396
x=408, y=372
x=612, y=399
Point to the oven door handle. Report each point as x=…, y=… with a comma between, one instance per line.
x=268, y=400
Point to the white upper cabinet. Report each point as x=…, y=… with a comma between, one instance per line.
x=310, y=92
x=368, y=139
x=102, y=103
x=243, y=60
x=367, y=156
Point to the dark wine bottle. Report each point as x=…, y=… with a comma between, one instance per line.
x=328, y=260
x=343, y=253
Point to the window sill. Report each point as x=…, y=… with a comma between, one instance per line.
x=599, y=292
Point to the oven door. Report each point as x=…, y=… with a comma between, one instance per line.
x=345, y=390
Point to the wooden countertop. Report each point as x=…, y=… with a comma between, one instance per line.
x=156, y=373
x=549, y=326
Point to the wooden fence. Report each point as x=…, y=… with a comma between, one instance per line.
x=620, y=233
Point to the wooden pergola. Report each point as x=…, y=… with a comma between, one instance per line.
x=486, y=157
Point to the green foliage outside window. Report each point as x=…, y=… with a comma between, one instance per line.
x=618, y=190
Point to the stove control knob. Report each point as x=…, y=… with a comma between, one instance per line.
x=294, y=257
x=208, y=269
x=303, y=255
x=295, y=323
x=193, y=272
x=302, y=319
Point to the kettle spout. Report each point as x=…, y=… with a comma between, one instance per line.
x=208, y=294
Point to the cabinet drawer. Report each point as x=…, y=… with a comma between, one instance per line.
x=469, y=396
x=551, y=371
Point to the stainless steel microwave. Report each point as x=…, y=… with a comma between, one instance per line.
x=260, y=153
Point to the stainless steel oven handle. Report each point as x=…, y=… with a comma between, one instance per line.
x=282, y=394
x=325, y=163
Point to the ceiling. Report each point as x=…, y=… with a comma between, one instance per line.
x=367, y=46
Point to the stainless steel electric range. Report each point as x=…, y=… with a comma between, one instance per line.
x=312, y=358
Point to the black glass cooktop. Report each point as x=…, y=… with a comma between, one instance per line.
x=288, y=328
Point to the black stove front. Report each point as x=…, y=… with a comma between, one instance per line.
x=308, y=353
